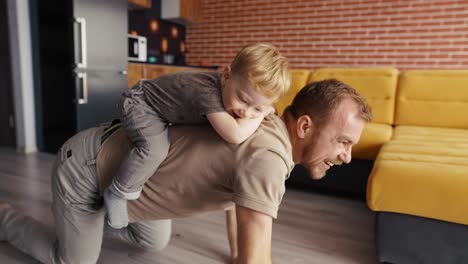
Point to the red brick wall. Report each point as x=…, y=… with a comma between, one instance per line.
x=351, y=33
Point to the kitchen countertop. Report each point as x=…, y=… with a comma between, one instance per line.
x=172, y=65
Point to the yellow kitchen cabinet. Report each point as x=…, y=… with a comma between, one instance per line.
x=138, y=71
x=135, y=73
x=140, y=3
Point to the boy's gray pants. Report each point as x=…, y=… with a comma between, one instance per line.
x=78, y=212
x=148, y=133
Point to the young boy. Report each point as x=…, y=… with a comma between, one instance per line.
x=233, y=102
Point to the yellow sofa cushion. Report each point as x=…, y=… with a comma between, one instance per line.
x=298, y=81
x=422, y=171
x=373, y=137
x=377, y=85
x=442, y=93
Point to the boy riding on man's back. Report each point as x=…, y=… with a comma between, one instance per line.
x=234, y=102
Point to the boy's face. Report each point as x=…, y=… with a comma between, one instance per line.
x=240, y=98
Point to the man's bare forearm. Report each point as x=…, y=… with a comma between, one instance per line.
x=254, y=236
x=231, y=228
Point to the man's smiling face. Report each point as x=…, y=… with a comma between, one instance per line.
x=330, y=143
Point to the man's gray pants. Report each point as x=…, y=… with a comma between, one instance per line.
x=78, y=212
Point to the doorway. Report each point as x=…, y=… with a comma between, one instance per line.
x=7, y=126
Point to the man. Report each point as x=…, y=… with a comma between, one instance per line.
x=201, y=173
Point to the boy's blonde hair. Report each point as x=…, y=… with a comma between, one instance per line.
x=264, y=66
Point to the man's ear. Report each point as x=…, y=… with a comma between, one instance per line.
x=304, y=126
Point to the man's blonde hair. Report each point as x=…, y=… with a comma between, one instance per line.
x=263, y=66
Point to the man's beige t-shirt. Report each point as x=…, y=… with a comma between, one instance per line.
x=203, y=173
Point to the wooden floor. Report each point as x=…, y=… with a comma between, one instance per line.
x=311, y=228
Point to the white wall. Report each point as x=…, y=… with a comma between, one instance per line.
x=22, y=74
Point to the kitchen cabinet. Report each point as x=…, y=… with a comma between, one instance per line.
x=135, y=73
x=182, y=11
x=138, y=71
x=136, y=4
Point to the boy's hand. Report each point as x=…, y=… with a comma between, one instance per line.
x=268, y=111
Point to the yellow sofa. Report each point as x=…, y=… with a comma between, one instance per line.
x=423, y=170
x=418, y=185
x=419, y=182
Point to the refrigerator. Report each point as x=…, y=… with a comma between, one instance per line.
x=81, y=66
